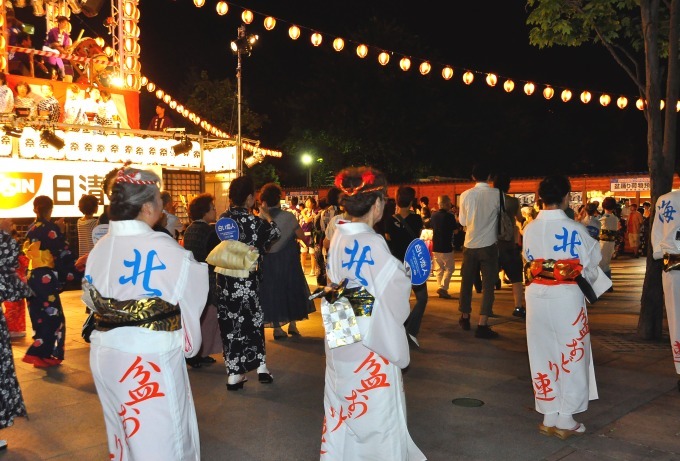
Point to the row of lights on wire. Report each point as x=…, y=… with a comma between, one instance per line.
x=425, y=67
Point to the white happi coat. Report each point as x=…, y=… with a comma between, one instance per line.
x=364, y=402
x=558, y=333
x=140, y=374
x=665, y=239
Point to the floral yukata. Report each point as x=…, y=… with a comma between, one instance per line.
x=558, y=333
x=239, y=311
x=666, y=245
x=364, y=401
x=11, y=289
x=51, y=267
x=139, y=371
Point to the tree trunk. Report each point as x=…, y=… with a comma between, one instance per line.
x=661, y=145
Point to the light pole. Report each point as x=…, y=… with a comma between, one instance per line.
x=242, y=45
x=308, y=160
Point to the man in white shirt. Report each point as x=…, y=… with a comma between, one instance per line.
x=479, y=209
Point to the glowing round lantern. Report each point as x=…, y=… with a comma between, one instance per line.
x=640, y=104
x=383, y=58
x=622, y=102
x=424, y=68
x=529, y=88
x=316, y=39
x=566, y=95
x=362, y=51
x=605, y=99
x=468, y=77
x=548, y=92
x=338, y=44
x=405, y=63
x=294, y=32
x=447, y=72
x=247, y=16
x=222, y=8
x=199, y=3
x=269, y=23
x=509, y=85
x=585, y=97
x=491, y=79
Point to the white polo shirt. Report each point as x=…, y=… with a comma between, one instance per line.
x=479, y=208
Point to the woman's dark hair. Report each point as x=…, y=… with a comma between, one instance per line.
x=239, y=190
x=88, y=204
x=43, y=205
x=360, y=187
x=200, y=205
x=553, y=189
x=127, y=198
x=270, y=194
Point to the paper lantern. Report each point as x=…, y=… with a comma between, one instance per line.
x=509, y=85
x=424, y=67
x=468, y=77
x=269, y=23
x=383, y=58
x=316, y=39
x=247, y=16
x=529, y=88
x=548, y=92
x=640, y=104
x=222, y=8
x=362, y=51
x=491, y=79
x=622, y=102
x=338, y=44
x=566, y=95
x=405, y=63
x=447, y=72
x=294, y=32
x=605, y=99
x=585, y=97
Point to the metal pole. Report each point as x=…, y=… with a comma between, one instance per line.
x=239, y=148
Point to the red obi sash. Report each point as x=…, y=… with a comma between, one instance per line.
x=552, y=272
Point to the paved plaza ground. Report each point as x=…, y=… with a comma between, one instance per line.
x=637, y=416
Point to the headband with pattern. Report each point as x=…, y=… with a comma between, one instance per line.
x=366, y=180
x=133, y=178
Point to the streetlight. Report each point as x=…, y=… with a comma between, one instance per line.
x=243, y=45
x=308, y=160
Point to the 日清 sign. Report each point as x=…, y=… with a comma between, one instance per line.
x=21, y=181
x=629, y=184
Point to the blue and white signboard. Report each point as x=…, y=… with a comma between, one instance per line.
x=417, y=261
x=226, y=229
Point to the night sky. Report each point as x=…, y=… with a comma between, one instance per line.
x=176, y=35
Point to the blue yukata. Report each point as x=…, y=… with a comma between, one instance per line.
x=51, y=267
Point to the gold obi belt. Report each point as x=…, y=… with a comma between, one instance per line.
x=152, y=313
x=36, y=257
x=607, y=235
x=552, y=272
x=359, y=298
x=671, y=262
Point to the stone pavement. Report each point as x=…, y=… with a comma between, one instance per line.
x=637, y=416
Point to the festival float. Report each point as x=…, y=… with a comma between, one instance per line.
x=65, y=161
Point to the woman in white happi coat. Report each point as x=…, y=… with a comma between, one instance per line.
x=558, y=333
x=364, y=402
x=666, y=245
x=147, y=294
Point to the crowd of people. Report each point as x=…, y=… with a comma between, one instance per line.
x=158, y=306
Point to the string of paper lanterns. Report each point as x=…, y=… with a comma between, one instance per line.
x=405, y=62
x=196, y=120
